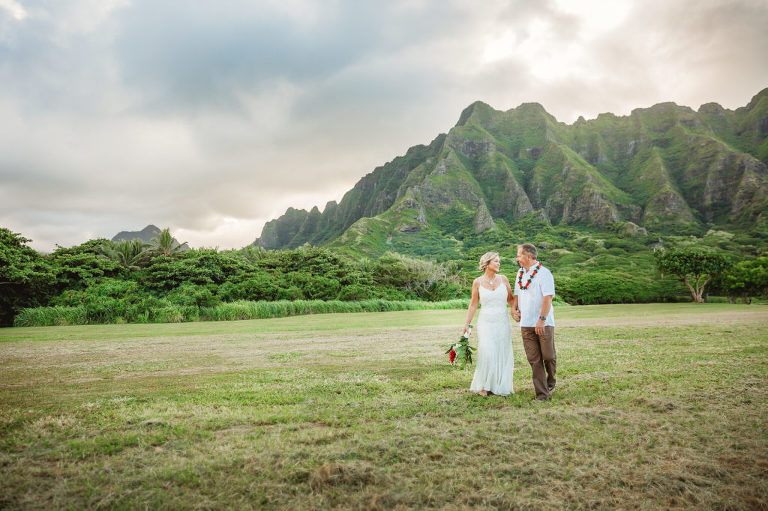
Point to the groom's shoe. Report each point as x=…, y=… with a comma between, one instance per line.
x=551, y=389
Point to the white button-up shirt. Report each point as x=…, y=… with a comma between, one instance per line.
x=529, y=300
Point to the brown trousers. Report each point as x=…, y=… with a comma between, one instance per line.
x=540, y=350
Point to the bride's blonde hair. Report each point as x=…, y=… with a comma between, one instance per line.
x=486, y=259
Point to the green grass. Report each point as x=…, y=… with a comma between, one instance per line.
x=658, y=406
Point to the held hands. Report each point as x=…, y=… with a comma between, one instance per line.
x=516, y=315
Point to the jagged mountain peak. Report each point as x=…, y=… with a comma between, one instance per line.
x=662, y=167
x=477, y=112
x=665, y=108
x=712, y=108
x=531, y=107
x=763, y=94
x=146, y=235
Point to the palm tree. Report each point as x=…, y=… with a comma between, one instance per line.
x=131, y=254
x=251, y=253
x=164, y=244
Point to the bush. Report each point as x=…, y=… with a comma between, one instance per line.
x=257, y=286
x=356, y=292
x=611, y=287
x=103, y=309
x=314, y=287
x=745, y=280
x=417, y=278
x=106, y=301
x=78, y=268
x=191, y=294
x=200, y=267
x=26, y=279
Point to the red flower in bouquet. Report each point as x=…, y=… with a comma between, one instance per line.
x=461, y=350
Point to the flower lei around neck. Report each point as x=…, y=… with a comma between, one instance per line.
x=520, y=277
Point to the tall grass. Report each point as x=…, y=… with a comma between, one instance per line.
x=52, y=316
x=60, y=316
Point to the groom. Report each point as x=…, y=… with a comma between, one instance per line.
x=532, y=308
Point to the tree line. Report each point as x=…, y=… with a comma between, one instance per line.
x=102, y=281
x=127, y=279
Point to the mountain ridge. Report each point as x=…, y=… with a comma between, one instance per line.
x=146, y=235
x=664, y=167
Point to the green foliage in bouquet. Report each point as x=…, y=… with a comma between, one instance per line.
x=461, y=352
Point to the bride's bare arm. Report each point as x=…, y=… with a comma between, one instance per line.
x=512, y=300
x=472, y=304
x=510, y=293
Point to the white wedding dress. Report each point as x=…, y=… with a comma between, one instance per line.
x=495, y=361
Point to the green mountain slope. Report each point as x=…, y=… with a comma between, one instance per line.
x=666, y=168
x=371, y=196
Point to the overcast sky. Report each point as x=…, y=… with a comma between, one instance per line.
x=213, y=117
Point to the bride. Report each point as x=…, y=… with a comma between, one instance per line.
x=495, y=362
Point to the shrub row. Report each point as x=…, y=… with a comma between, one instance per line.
x=172, y=313
x=615, y=287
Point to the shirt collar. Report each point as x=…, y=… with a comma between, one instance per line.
x=533, y=265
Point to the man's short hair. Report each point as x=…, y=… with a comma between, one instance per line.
x=530, y=250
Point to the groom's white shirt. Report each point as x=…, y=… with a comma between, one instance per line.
x=529, y=300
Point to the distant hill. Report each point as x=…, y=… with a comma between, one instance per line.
x=667, y=168
x=146, y=235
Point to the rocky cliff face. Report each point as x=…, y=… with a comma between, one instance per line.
x=658, y=168
x=374, y=194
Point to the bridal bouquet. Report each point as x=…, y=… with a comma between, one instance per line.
x=461, y=352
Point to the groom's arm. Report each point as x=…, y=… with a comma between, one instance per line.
x=546, y=304
x=515, y=310
x=548, y=293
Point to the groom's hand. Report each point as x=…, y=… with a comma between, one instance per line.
x=540, y=327
x=516, y=315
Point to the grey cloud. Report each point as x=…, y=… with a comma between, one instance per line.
x=183, y=114
x=188, y=56
x=47, y=63
x=720, y=48
x=685, y=52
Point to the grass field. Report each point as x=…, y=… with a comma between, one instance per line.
x=657, y=406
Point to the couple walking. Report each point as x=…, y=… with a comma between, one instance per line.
x=531, y=303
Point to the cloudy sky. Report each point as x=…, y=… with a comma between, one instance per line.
x=213, y=117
